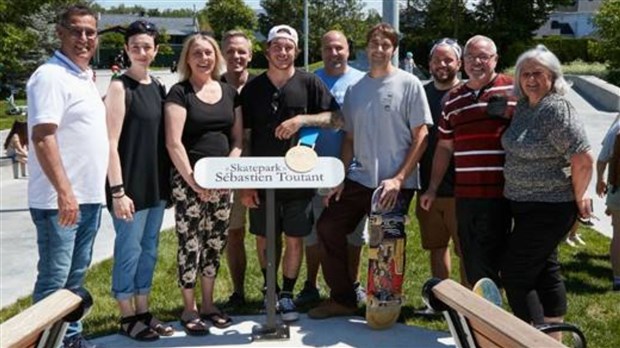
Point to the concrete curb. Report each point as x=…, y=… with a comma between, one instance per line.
x=600, y=93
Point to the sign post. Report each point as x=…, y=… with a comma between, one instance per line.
x=267, y=173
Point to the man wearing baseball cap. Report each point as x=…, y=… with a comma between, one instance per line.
x=276, y=105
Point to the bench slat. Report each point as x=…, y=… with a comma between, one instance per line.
x=25, y=328
x=498, y=326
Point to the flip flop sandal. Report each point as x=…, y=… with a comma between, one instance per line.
x=156, y=325
x=144, y=335
x=192, y=325
x=219, y=319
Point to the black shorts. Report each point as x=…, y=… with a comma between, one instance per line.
x=293, y=217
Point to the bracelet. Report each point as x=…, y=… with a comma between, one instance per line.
x=117, y=188
x=118, y=197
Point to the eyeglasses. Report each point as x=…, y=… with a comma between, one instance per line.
x=483, y=58
x=78, y=32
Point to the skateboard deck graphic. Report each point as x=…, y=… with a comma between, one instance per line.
x=487, y=289
x=386, y=262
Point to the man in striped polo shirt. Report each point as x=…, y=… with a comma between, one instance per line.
x=473, y=119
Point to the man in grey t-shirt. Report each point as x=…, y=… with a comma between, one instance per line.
x=388, y=112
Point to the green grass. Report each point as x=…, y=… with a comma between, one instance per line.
x=591, y=304
x=6, y=120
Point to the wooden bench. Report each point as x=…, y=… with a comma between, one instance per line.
x=475, y=322
x=44, y=323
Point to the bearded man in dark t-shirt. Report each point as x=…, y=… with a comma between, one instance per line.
x=275, y=105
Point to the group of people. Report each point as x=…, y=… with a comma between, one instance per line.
x=503, y=167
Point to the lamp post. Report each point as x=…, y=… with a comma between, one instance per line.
x=390, y=16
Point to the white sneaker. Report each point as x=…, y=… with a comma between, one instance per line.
x=287, y=309
x=577, y=239
x=360, y=293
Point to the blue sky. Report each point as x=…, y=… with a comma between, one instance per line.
x=163, y=4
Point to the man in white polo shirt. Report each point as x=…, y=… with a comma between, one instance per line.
x=67, y=128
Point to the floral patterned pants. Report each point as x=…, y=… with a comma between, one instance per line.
x=202, y=229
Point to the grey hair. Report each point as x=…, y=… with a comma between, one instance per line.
x=541, y=55
x=477, y=38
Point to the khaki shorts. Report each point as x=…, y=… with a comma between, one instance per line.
x=438, y=224
x=237, y=212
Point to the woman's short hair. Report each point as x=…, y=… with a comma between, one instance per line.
x=541, y=55
x=142, y=27
x=185, y=71
x=383, y=29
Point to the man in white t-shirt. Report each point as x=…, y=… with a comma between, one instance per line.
x=67, y=128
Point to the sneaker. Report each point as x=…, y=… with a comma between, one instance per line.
x=570, y=242
x=577, y=239
x=309, y=294
x=287, y=308
x=360, y=293
x=331, y=308
x=235, y=300
x=585, y=222
x=426, y=312
x=77, y=341
x=264, y=310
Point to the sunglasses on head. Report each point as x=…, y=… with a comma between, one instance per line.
x=452, y=43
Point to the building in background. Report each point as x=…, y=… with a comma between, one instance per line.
x=573, y=21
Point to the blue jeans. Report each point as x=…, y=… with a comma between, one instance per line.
x=135, y=252
x=64, y=252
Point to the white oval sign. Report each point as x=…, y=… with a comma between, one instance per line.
x=265, y=172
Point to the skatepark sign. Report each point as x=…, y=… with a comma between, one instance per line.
x=268, y=173
x=265, y=172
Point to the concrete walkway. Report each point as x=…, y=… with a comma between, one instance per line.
x=335, y=332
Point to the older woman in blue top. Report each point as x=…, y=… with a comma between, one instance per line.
x=548, y=168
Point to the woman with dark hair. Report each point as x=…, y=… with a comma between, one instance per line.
x=16, y=146
x=548, y=168
x=203, y=119
x=138, y=181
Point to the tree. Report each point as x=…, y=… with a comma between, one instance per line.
x=512, y=22
x=607, y=21
x=24, y=36
x=324, y=15
x=509, y=23
x=224, y=15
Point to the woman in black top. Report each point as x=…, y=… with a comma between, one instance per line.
x=203, y=119
x=138, y=181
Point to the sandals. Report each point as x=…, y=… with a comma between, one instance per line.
x=156, y=325
x=219, y=319
x=194, y=326
x=146, y=334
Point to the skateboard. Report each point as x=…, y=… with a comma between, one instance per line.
x=386, y=262
x=487, y=289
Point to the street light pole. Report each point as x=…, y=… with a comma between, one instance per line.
x=390, y=16
x=306, y=35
